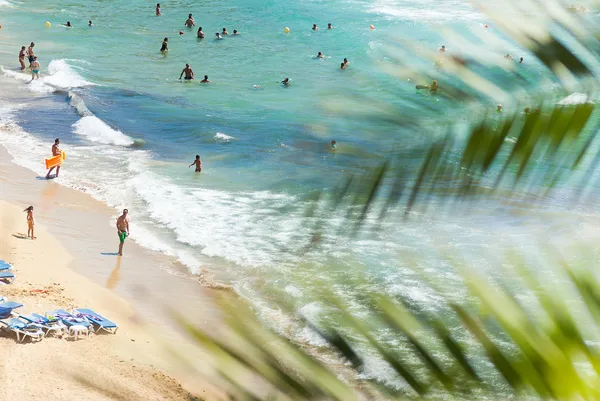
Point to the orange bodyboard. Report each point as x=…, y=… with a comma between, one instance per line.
x=55, y=160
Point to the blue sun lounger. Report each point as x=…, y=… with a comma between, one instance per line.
x=6, y=308
x=69, y=319
x=22, y=329
x=4, y=265
x=55, y=325
x=99, y=322
x=6, y=275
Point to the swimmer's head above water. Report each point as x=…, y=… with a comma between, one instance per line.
x=329, y=26
x=315, y=27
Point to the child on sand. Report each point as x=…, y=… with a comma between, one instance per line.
x=198, y=164
x=30, y=222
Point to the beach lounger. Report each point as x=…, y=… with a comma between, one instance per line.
x=4, y=265
x=56, y=325
x=22, y=329
x=6, y=275
x=69, y=319
x=6, y=308
x=99, y=322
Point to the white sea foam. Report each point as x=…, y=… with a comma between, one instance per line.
x=223, y=138
x=5, y=3
x=425, y=10
x=59, y=76
x=97, y=130
x=575, y=98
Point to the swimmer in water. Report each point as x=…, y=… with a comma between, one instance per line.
x=218, y=35
x=329, y=26
x=189, y=74
x=521, y=61
x=499, y=108
x=315, y=27
x=190, y=21
x=343, y=66
x=198, y=164
x=434, y=86
x=224, y=32
x=158, y=14
x=200, y=33
x=90, y=23
x=442, y=49
x=346, y=62
x=235, y=32
x=68, y=24
x=527, y=110
x=319, y=55
x=286, y=82
x=205, y=80
x=333, y=145
x=508, y=56
x=165, y=45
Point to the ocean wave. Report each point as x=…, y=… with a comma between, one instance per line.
x=59, y=77
x=575, y=98
x=5, y=3
x=97, y=130
x=425, y=10
x=223, y=138
x=79, y=105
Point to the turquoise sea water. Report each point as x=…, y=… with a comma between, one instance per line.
x=131, y=128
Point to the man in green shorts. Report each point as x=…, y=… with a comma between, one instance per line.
x=122, y=230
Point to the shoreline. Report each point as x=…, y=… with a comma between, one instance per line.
x=139, y=291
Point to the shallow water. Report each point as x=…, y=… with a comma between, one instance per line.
x=131, y=128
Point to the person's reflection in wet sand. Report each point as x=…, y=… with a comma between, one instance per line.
x=115, y=276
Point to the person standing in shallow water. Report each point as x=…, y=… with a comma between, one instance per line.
x=22, y=58
x=189, y=74
x=198, y=164
x=190, y=21
x=158, y=14
x=165, y=45
x=55, y=152
x=30, y=54
x=122, y=230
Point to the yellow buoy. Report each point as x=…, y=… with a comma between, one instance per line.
x=287, y=30
x=48, y=24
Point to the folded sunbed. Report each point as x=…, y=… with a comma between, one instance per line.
x=69, y=319
x=99, y=322
x=22, y=329
x=6, y=275
x=4, y=265
x=56, y=325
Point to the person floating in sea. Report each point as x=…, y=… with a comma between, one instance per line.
x=320, y=55
x=30, y=54
x=22, y=58
x=165, y=45
x=346, y=62
x=521, y=61
x=235, y=32
x=224, y=32
x=499, y=108
x=190, y=21
x=68, y=24
x=442, y=49
x=198, y=164
x=189, y=74
x=205, y=80
x=329, y=26
x=90, y=23
x=333, y=145
x=200, y=33
x=158, y=14
x=122, y=230
x=342, y=66
x=315, y=27
x=55, y=152
x=218, y=35
x=432, y=88
x=30, y=222
x=286, y=82
x=35, y=68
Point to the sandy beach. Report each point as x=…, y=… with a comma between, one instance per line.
x=69, y=265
